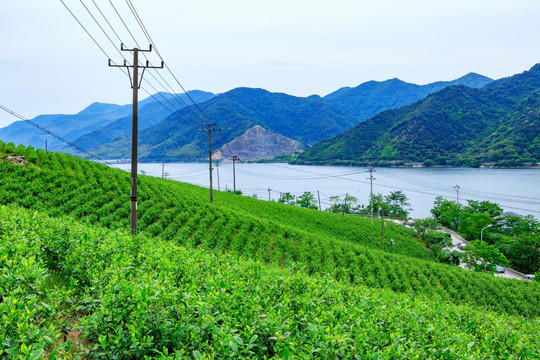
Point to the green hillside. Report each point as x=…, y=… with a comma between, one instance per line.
x=457, y=125
x=72, y=290
x=350, y=248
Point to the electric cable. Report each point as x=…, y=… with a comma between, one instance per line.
x=20, y=117
x=136, y=42
x=121, y=69
x=149, y=38
x=151, y=74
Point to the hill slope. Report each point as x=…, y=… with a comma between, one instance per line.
x=452, y=126
x=349, y=248
x=135, y=297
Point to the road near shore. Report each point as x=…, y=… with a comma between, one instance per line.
x=457, y=239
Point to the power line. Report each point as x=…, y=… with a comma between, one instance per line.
x=99, y=25
x=149, y=38
x=53, y=134
x=114, y=45
x=161, y=58
x=76, y=19
x=104, y=17
x=176, y=109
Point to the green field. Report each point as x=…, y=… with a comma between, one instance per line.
x=241, y=278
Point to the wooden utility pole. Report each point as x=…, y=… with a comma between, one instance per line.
x=269, y=194
x=371, y=178
x=234, y=159
x=211, y=127
x=135, y=85
x=319, y=197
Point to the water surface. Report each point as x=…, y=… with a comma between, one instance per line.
x=516, y=190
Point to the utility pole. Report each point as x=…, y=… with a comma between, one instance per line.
x=163, y=170
x=211, y=127
x=458, y=220
x=344, y=204
x=269, y=194
x=135, y=85
x=371, y=178
x=457, y=194
x=234, y=159
x=319, y=197
x=45, y=145
x=217, y=169
x=382, y=222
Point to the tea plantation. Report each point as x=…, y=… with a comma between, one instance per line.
x=241, y=278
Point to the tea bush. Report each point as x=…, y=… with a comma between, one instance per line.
x=140, y=297
x=349, y=248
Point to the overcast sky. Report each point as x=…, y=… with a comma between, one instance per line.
x=48, y=64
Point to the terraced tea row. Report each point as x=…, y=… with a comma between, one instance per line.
x=59, y=184
x=140, y=297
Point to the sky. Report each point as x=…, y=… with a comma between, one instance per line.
x=49, y=64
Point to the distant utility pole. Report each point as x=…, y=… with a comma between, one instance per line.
x=211, y=128
x=319, y=197
x=217, y=169
x=458, y=220
x=45, y=145
x=344, y=204
x=457, y=194
x=135, y=85
x=163, y=170
x=269, y=194
x=371, y=178
x=234, y=159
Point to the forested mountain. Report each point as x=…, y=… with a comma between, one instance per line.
x=306, y=120
x=372, y=97
x=105, y=129
x=457, y=125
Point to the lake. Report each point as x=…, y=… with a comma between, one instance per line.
x=516, y=190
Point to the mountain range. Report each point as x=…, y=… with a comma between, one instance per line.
x=97, y=124
x=167, y=135
x=457, y=125
x=372, y=97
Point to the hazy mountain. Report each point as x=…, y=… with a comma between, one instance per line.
x=151, y=111
x=457, y=125
x=370, y=98
x=98, y=123
x=69, y=127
